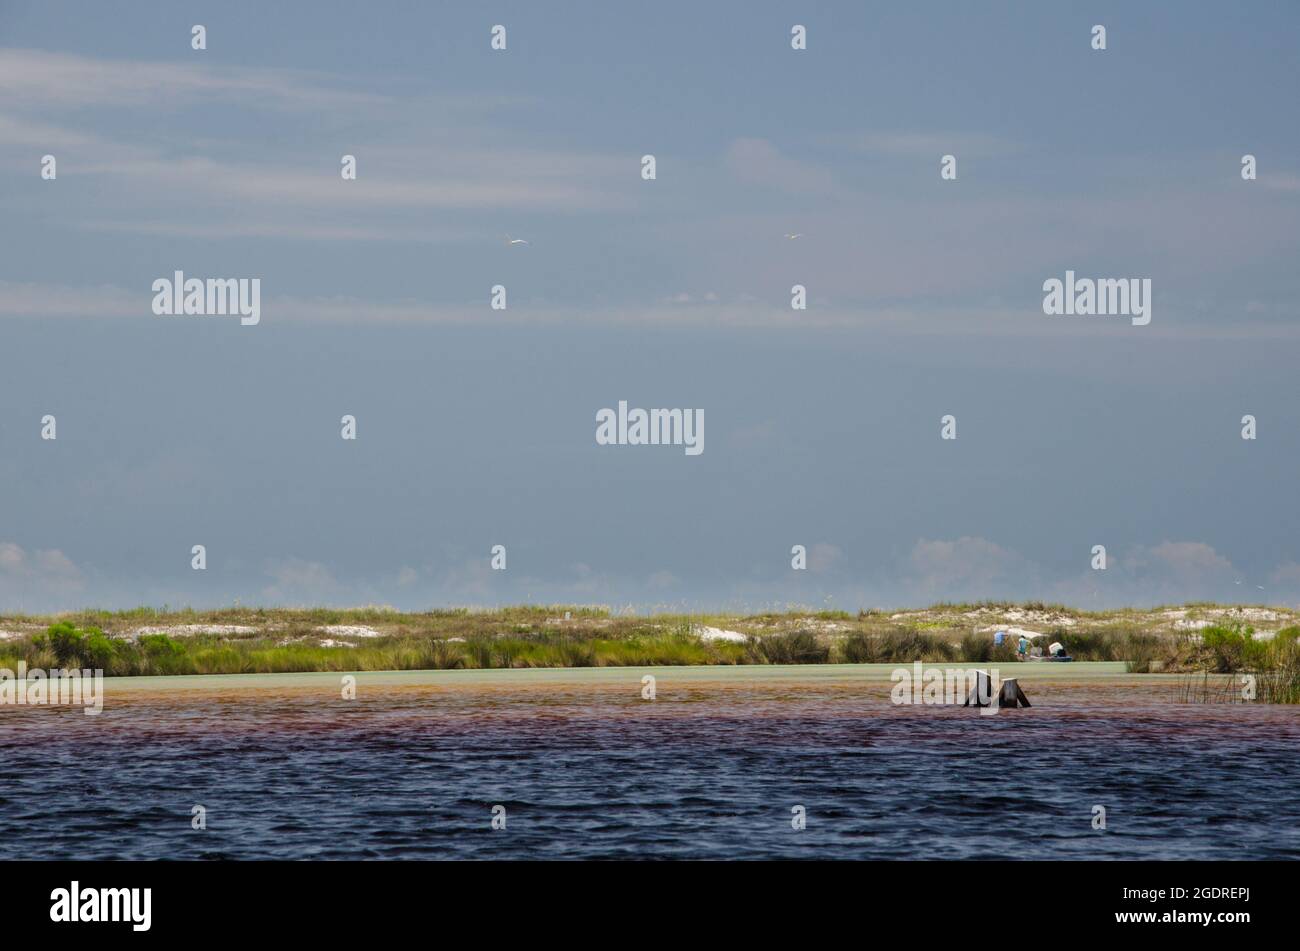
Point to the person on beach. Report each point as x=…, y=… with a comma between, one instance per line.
x=1022, y=646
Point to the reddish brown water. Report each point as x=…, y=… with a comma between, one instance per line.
x=589, y=769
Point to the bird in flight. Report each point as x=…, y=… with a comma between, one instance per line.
x=510, y=240
x=793, y=236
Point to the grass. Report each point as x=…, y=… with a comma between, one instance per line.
x=280, y=640
x=1264, y=671
x=160, y=654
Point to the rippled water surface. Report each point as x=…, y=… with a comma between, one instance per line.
x=586, y=768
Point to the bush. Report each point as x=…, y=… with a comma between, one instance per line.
x=160, y=646
x=480, y=651
x=860, y=648
x=1231, y=647
x=980, y=648
x=796, y=647
x=65, y=641
x=97, y=650
x=899, y=645
x=1140, y=651
x=76, y=648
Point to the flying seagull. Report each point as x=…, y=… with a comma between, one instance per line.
x=510, y=240
x=793, y=236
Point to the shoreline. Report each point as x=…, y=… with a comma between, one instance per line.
x=571, y=641
x=1086, y=672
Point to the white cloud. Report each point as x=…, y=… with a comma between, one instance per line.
x=1179, y=563
x=962, y=567
x=210, y=188
x=933, y=144
x=31, y=581
x=523, y=187
x=662, y=579
x=58, y=300
x=758, y=162
x=296, y=580
x=26, y=299
x=823, y=557
x=40, y=80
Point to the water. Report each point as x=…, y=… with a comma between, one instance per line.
x=587, y=769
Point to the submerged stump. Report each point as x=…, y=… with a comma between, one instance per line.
x=1009, y=695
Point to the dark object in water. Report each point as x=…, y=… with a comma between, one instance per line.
x=1010, y=695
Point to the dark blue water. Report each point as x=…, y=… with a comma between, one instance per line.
x=709, y=770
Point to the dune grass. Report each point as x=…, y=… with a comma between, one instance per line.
x=149, y=641
x=1263, y=671
x=160, y=654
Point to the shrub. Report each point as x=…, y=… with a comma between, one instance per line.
x=76, y=648
x=576, y=653
x=980, y=648
x=160, y=646
x=860, y=648
x=796, y=647
x=1140, y=651
x=1231, y=647
x=899, y=645
x=480, y=651
x=97, y=650
x=65, y=641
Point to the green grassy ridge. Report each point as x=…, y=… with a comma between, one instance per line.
x=536, y=637
x=160, y=655
x=958, y=617
x=236, y=614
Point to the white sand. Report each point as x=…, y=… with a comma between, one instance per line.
x=350, y=630
x=185, y=630
x=1215, y=615
x=1013, y=631
x=819, y=624
x=1255, y=614
x=718, y=634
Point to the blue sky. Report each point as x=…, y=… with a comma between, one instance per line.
x=475, y=427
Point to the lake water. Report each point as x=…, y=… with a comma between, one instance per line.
x=585, y=768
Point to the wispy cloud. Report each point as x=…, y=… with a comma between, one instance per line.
x=39, y=80
x=759, y=162
x=29, y=299
x=208, y=185
x=931, y=145
x=32, y=580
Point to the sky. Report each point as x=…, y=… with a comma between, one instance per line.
x=476, y=427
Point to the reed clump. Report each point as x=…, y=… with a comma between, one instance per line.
x=1235, y=667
